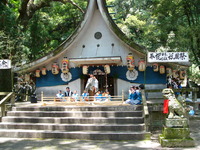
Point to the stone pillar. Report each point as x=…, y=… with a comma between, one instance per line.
x=176, y=133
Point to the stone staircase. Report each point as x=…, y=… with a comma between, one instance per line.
x=75, y=122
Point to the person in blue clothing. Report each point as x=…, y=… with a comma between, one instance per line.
x=60, y=95
x=85, y=95
x=98, y=96
x=138, y=99
x=135, y=97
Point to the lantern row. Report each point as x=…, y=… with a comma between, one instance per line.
x=156, y=68
x=130, y=65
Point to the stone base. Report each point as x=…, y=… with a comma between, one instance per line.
x=172, y=122
x=176, y=133
x=189, y=142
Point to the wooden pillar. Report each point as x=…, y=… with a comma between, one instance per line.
x=13, y=99
x=122, y=96
x=194, y=98
x=194, y=94
x=3, y=108
x=42, y=96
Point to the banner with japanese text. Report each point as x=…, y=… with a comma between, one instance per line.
x=167, y=57
x=5, y=64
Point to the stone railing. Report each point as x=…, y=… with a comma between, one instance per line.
x=9, y=97
x=145, y=111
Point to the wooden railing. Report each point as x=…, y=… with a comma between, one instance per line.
x=9, y=97
x=81, y=99
x=145, y=111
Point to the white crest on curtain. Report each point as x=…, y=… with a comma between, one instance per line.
x=132, y=75
x=66, y=76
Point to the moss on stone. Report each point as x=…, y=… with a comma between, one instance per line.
x=189, y=142
x=176, y=133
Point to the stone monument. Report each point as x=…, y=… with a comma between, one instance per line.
x=176, y=132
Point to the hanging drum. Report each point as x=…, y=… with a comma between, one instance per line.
x=55, y=68
x=37, y=73
x=175, y=74
x=107, y=69
x=155, y=67
x=142, y=65
x=169, y=71
x=85, y=70
x=162, y=69
x=65, y=65
x=130, y=61
x=44, y=71
x=182, y=74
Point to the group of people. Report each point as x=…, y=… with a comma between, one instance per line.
x=91, y=89
x=135, y=96
x=72, y=95
x=102, y=96
x=99, y=96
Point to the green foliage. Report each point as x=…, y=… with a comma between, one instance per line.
x=161, y=25
x=28, y=32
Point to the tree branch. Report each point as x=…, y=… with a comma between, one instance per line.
x=28, y=8
x=74, y=4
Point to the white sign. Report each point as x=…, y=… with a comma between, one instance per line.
x=5, y=64
x=168, y=57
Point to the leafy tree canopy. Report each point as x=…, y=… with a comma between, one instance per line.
x=162, y=25
x=30, y=29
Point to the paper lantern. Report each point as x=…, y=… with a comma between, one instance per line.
x=169, y=71
x=37, y=73
x=175, y=73
x=55, y=68
x=142, y=65
x=27, y=77
x=85, y=70
x=65, y=65
x=155, y=67
x=44, y=71
x=162, y=69
x=130, y=62
x=107, y=69
x=182, y=74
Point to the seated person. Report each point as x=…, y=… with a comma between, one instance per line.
x=75, y=96
x=106, y=96
x=98, y=96
x=85, y=95
x=68, y=92
x=131, y=91
x=135, y=97
x=138, y=99
x=60, y=95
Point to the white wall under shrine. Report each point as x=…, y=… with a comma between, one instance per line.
x=51, y=91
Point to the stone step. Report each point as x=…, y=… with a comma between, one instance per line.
x=73, y=127
x=75, y=113
x=79, y=108
x=90, y=135
x=77, y=120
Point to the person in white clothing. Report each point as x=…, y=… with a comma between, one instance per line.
x=59, y=95
x=92, y=85
x=75, y=96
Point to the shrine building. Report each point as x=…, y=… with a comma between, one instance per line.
x=99, y=47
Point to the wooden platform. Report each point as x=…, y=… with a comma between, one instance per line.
x=87, y=103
